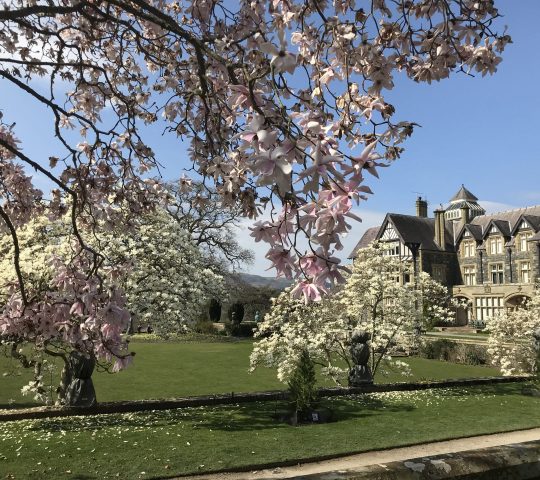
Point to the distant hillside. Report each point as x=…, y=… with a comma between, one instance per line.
x=258, y=281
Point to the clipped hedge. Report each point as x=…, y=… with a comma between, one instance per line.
x=214, y=310
x=238, y=310
x=244, y=329
x=205, y=327
x=455, y=352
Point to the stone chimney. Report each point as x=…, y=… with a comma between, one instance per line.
x=421, y=207
x=465, y=215
x=439, y=228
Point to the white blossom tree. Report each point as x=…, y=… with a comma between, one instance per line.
x=437, y=304
x=512, y=343
x=169, y=280
x=282, y=103
x=373, y=299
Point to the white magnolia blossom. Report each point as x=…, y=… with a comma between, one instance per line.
x=372, y=299
x=169, y=282
x=511, y=344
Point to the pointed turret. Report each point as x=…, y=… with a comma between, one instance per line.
x=463, y=195
x=463, y=207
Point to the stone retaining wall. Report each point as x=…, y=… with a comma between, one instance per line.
x=234, y=398
x=520, y=461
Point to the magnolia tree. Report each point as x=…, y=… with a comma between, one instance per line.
x=437, y=304
x=282, y=103
x=58, y=314
x=514, y=338
x=164, y=283
x=168, y=281
x=372, y=299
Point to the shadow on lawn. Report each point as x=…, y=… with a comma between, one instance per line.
x=489, y=389
x=267, y=416
x=262, y=415
x=246, y=417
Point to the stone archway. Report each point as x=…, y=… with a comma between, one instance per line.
x=463, y=312
x=516, y=301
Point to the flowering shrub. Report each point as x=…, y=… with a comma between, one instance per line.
x=371, y=300
x=512, y=343
x=438, y=307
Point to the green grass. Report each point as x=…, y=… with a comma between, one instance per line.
x=175, y=442
x=172, y=369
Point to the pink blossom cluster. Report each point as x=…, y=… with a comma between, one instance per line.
x=75, y=311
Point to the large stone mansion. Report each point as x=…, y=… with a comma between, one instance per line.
x=491, y=261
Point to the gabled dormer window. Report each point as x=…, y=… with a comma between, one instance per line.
x=468, y=248
x=522, y=240
x=495, y=245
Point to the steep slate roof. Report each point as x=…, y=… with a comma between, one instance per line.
x=419, y=230
x=369, y=235
x=463, y=194
x=510, y=216
x=502, y=225
x=532, y=220
x=475, y=231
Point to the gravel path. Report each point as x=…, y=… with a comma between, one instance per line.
x=380, y=456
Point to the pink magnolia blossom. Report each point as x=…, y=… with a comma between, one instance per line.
x=282, y=261
x=275, y=166
x=257, y=135
x=310, y=291
x=282, y=60
x=264, y=231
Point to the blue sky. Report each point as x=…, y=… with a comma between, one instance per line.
x=482, y=132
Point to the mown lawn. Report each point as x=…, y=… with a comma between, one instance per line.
x=173, y=369
x=175, y=442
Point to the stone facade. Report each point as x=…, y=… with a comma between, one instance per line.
x=490, y=262
x=433, y=262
